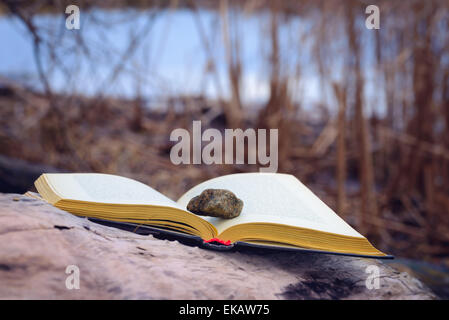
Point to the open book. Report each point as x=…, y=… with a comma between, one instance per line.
x=278, y=210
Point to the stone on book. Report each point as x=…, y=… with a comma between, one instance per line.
x=218, y=203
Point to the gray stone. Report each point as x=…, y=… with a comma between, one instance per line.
x=218, y=203
x=38, y=242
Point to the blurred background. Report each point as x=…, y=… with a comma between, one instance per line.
x=363, y=115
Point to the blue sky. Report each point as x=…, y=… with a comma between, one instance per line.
x=169, y=61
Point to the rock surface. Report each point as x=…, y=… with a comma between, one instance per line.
x=218, y=203
x=38, y=242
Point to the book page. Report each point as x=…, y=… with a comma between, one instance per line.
x=273, y=198
x=105, y=188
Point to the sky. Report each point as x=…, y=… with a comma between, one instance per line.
x=170, y=60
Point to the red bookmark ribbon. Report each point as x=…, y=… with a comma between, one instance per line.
x=226, y=243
